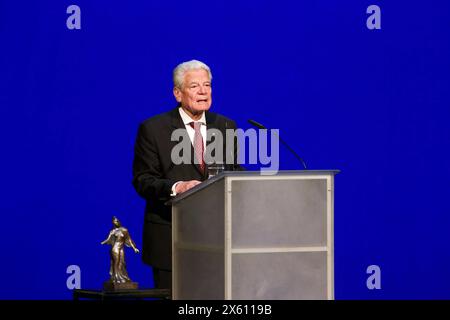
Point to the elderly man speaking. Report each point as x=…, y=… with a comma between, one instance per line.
x=156, y=177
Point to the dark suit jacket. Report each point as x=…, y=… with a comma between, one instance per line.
x=154, y=174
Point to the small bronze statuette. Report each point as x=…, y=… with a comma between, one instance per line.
x=118, y=238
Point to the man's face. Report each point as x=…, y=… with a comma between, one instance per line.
x=195, y=94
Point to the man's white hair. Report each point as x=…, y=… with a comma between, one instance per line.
x=180, y=70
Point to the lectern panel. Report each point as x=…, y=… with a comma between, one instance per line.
x=200, y=219
x=279, y=213
x=200, y=274
x=279, y=275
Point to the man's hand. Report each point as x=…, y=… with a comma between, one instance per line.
x=186, y=185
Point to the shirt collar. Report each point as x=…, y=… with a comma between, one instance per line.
x=187, y=120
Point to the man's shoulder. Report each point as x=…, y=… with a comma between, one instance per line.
x=164, y=119
x=159, y=119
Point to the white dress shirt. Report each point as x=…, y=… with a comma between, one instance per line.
x=187, y=120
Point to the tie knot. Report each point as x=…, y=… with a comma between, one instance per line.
x=195, y=124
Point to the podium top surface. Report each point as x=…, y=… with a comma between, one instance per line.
x=226, y=174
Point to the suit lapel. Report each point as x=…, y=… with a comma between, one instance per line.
x=212, y=123
x=176, y=120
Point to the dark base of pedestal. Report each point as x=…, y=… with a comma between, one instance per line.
x=112, y=286
x=164, y=294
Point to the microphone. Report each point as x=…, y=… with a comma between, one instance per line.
x=260, y=126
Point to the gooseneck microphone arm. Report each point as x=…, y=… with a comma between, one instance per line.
x=260, y=126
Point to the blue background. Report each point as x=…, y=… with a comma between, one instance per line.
x=374, y=104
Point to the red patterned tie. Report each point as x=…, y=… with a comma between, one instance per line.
x=198, y=144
